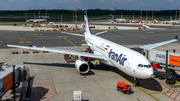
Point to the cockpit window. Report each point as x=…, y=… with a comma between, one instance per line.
x=145, y=66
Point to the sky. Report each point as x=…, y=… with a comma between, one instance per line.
x=90, y=4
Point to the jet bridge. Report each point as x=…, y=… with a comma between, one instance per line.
x=7, y=81
x=154, y=55
x=159, y=57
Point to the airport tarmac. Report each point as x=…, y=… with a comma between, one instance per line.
x=54, y=79
x=99, y=25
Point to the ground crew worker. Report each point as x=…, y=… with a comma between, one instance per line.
x=96, y=64
x=69, y=56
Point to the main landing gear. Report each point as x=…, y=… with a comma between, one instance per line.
x=89, y=59
x=136, y=82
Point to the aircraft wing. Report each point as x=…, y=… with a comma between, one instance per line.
x=100, y=33
x=151, y=46
x=81, y=34
x=72, y=34
x=79, y=53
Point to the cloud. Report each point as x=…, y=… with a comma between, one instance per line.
x=65, y=1
x=89, y=4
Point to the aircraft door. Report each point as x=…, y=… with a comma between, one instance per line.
x=128, y=66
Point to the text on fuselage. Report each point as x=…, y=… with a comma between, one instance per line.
x=118, y=58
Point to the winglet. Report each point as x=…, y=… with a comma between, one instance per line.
x=176, y=37
x=5, y=43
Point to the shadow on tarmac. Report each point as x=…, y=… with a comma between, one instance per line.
x=51, y=64
x=37, y=94
x=150, y=84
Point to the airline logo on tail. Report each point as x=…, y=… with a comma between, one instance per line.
x=87, y=29
x=113, y=18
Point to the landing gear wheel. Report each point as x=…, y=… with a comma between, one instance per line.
x=136, y=82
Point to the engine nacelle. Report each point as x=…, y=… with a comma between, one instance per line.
x=82, y=66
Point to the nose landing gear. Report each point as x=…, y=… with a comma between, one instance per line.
x=136, y=82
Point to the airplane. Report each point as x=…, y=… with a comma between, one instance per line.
x=36, y=20
x=173, y=22
x=127, y=60
x=117, y=20
x=156, y=21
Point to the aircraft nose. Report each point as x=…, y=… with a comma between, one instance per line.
x=150, y=73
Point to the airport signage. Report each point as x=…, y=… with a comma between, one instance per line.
x=8, y=82
x=174, y=60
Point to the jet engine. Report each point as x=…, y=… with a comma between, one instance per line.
x=82, y=66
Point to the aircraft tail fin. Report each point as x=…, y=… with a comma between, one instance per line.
x=87, y=29
x=113, y=18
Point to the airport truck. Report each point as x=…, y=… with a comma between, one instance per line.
x=124, y=87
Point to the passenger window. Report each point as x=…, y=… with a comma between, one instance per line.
x=139, y=65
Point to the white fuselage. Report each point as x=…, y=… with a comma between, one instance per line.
x=121, y=57
x=36, y=20
x=120, y=20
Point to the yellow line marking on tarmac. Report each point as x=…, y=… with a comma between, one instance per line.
x=27, y=34
x=11, y=53
x=76, y=33
x=1, y=41
x=21, y=41
x=59, y=36
x=178, y=37
x=82, y=40
x=24, y=42
x=28, y=41
x=35, y=34
x=149, y=94
x=168, y=92
x=157, y=93
x=149, y=32
x=141, y=89
x=40, y=34
x=72, y=43
x=176, y=27
x=32, y=34
x=175, y=86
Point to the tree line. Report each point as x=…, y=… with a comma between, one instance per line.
x=94, y=12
